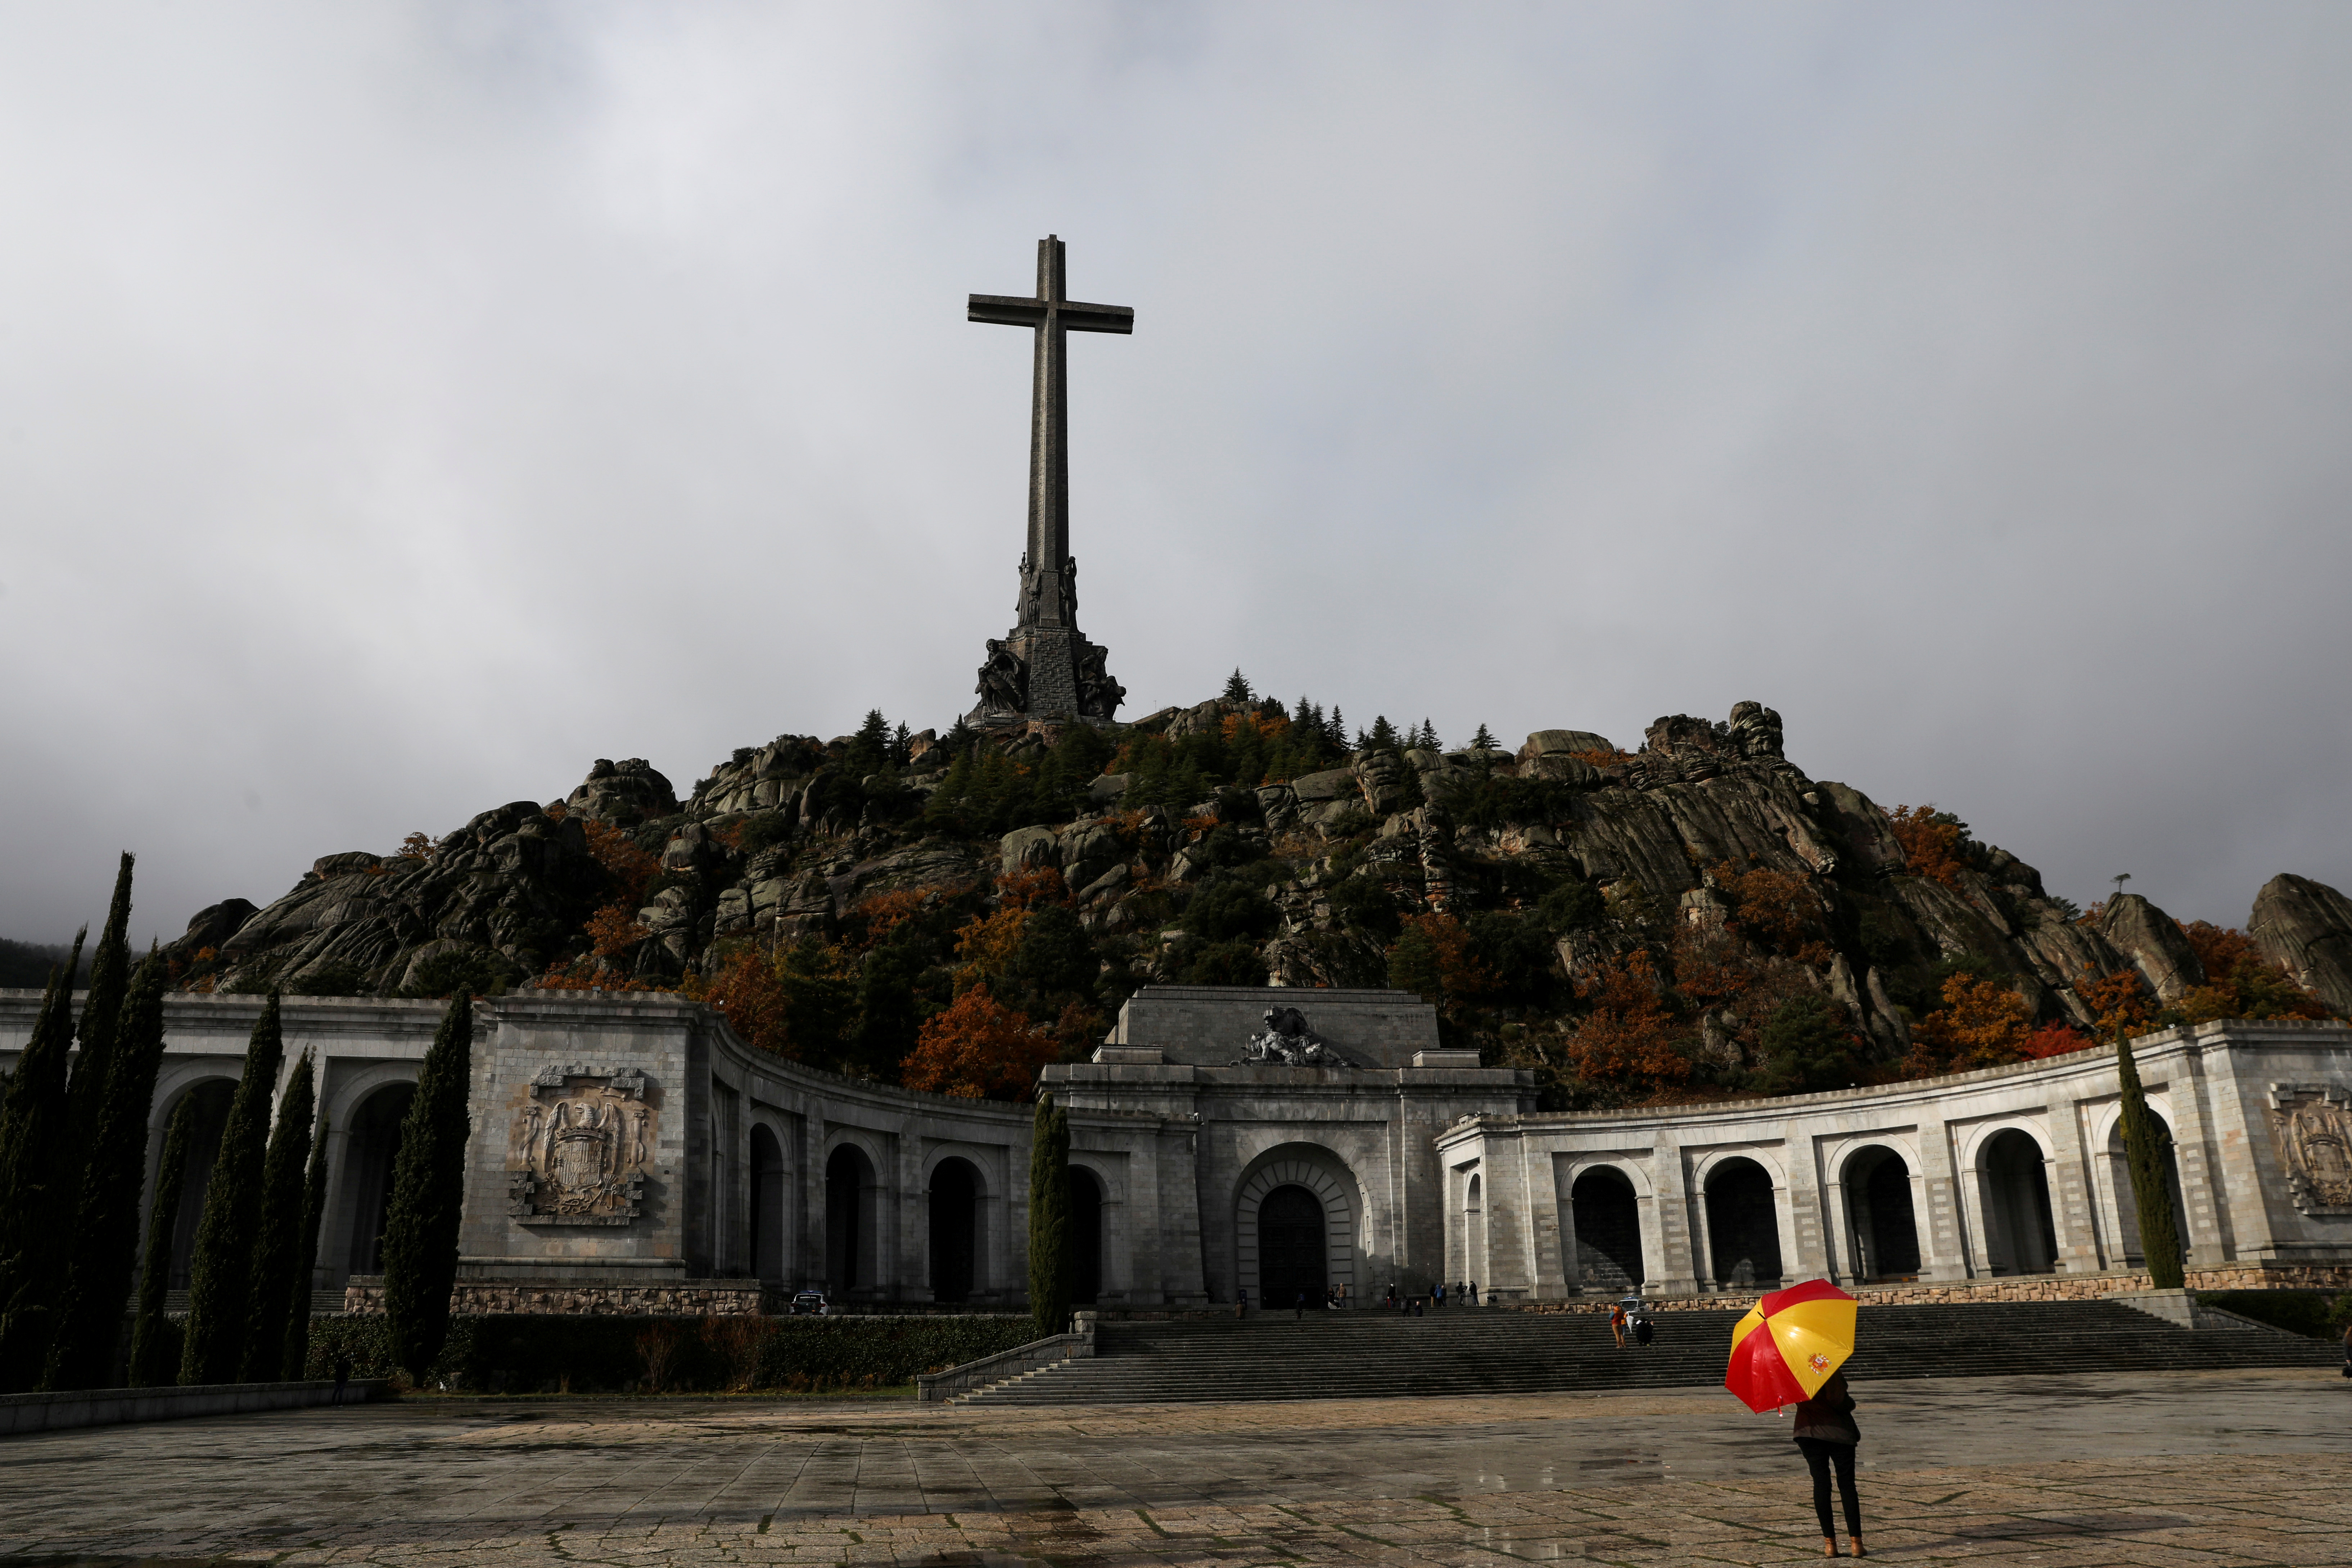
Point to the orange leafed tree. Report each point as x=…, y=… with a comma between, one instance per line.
x=1931, y=846
x=2240, y=983
x=745, y=988
x=1981, y=1024
x=630, y=867
x=978, y=1049
x=1628, y=1037
x=1779, y=908
x=1027, y=890
x=2116, y=1000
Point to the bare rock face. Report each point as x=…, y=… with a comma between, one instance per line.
x=2307, y=927
x=624, y=794
x=212, y=926
x=2152, y=940
x=514, y=880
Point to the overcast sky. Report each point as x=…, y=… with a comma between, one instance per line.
x=402, y=407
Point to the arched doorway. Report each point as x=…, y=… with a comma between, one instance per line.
x=1474, y=1228
x=767, y=1249
x=368, y=1159
x=2022, y=1240
x=1743, y=1226
x=211, y=1099
x=1608, y=1220
x=2127, y=1202
x=1885, y=1228
x=1085, y=1237
x=955, y=1226
x=848, y=1242
x=1292, y=1255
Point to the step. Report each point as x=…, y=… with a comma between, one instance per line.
x=1367, y=1354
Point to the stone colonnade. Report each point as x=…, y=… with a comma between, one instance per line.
x=2009, y=1172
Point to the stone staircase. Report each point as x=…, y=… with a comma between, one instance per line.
x=1338, y=1355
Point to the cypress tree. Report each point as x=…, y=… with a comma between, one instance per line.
x=1049, y=1218
x=2145, y=1143
x=110, y=978
x=429, y=1195
x=314, y=1208
x=103, y=1246
x=278, y=1254
x=31, y=1130
x=220, y=1278
x=152, y=1362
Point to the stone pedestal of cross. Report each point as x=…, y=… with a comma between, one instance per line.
x=1045, y=668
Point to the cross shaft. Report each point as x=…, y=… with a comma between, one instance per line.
x=1046, y=594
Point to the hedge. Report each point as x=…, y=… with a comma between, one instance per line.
x=2316, y=1313
x=536, y=1354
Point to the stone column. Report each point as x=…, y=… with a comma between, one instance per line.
x=1804, y=1249
x=1843, y=1259
x=2070, y=1198
x=1546, y=1239
x=1677, y=1266
x=1935, y=1206
x=2193, y=1142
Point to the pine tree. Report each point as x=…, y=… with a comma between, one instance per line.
x=428, y=1192
x=33, y=1194
x=220, y=1278
x=109, y=976
x=103, y=1247
x=1484, y=740
x=1049, y=1218
x=2144, y=1148
x=1237, y=687
x=277, y=1293
x=152, y=1364
x=1384, y=736
x=314, y=1209
x=1336, y=732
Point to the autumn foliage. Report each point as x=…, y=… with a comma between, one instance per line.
x=1628, y=1037
x=2239, y=982
x=1981, y=1024
x=630, y=867
x=1930, y=841
x=978, y=1049
x=745, y=986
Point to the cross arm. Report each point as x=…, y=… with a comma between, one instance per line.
x=1015, y=310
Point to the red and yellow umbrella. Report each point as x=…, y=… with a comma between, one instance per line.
x=1788, y=1344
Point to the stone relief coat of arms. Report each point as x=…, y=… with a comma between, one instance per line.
x=2313, y=1126
x=582, y=1143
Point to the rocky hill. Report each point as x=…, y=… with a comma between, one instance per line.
x=1693, y=916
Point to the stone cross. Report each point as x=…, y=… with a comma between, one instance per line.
x=1048, y=593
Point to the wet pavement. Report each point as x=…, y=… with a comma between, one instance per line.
x=2216, y=1467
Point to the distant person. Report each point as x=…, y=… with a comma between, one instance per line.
x=1826, y=1436
x=1298, y=1311
x=1437, y=1294
x=1474, y=1292
x=1240, y=1302
x=1617, y=1323
x=1392, y=1295
x=1416, y=1307
x=342, y=1373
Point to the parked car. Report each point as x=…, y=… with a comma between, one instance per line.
x=811, y=1303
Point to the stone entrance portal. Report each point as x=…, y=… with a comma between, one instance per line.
x=1292, y=1252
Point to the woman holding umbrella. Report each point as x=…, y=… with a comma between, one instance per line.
x=1787, y=1351
x=1826, y=1436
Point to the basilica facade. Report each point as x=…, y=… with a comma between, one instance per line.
x=630, y=1153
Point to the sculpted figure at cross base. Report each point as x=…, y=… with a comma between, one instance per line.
x=1288, y=1040
x=1099, y=695
x=1004, y=679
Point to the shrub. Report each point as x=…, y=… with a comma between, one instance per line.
x=477, y=971
x=1227, y=963
x=1935, y=843
x=2315, y=1313
x=763, y=830
x=1574, y=905
x=1806, y=1044
x=978, y=1049
x=1229, y=908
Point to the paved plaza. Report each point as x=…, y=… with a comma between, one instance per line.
x=2206, y=1468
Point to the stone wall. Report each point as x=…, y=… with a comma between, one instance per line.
x=1207, y=1026
x=2036, y=1288
x=686, y=1298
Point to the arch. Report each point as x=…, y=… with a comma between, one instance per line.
x=1293, y=1254
x=211, y=1096
x=1606, y=1215
x=952, y=1197
x=1085, y=1237
x=370, y=1150
x=2127, y=1237
x=1329, y=1181
x=2020, y=1238
x=849, y=1204
x=1743, y=1225
x=766, y=1248
x=1474, y=1229
x=1883, y=1218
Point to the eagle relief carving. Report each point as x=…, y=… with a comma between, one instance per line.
x=581, y=1147
x=2313, y=1126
